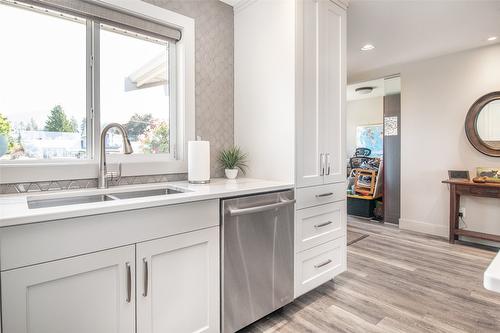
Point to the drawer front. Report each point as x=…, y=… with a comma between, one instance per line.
x=319, y=195
x=316, y=266
x=40, y=242
x=318, y=225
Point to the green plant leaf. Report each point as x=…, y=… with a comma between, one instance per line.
x=233, y=158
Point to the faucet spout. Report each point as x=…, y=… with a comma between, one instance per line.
x=102, y=180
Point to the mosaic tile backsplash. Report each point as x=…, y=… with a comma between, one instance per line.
x=78, y=184
x=214, y=70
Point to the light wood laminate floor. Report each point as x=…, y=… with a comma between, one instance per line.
x=397, y=281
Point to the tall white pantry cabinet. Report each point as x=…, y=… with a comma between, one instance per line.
x=290, y=81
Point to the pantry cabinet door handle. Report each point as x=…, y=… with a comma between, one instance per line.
x=324, y=195
x=324, y=224
x=323, y=263
x=129, y=282
x=146, y=276
x=328, y=164
x=322, y=164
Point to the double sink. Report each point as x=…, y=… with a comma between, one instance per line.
x=35, y=202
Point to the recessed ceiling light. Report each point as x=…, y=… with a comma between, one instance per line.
x=367, y=47
x=492, y=38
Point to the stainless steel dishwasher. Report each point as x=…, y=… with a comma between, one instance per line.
x=257, y=257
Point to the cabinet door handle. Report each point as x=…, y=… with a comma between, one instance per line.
x=146, y=276
x=328, y=164
x=322, y=164
x=324, y=195
x=129, y=282
x=324, y=224
x=323, y=263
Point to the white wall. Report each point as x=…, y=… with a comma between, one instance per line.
x=264, y=87
x=360, y=112
x=435, y=97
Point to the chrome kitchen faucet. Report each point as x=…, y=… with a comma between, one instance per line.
x=104, y=175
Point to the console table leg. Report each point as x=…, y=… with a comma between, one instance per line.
x=454, y=207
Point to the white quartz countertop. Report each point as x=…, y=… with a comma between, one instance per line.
x=14, y=208
x=492, y=275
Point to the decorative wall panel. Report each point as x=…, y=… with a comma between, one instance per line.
x=214, y=33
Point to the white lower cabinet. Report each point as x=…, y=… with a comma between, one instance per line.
x=320, y=195
x=88, y=293
x=178, y=283
x=177, y=289
x=316, y=266
x=320, y=224
x=320, y=236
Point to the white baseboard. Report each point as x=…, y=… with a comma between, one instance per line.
x=424, y=227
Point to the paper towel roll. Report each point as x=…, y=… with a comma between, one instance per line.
x=198, y=162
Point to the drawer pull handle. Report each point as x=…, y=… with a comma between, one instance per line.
x=323, y=263
x=324, y=224
x=324, y=195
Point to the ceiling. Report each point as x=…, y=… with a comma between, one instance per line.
x=408, y=30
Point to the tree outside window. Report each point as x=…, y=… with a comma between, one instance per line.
x=59, y=122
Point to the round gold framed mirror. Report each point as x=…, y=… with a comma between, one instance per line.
x=482, y=124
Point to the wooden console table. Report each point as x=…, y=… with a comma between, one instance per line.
x=465, y=187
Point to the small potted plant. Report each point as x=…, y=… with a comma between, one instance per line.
x=232, y=160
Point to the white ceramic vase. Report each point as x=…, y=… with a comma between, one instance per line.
x=231, y=173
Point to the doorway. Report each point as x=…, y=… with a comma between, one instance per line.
x=373, y=148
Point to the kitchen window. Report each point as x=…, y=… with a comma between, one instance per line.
x=68, y=75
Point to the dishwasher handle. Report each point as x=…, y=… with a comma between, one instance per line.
x=259, y=209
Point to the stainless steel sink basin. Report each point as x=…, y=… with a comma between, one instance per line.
x=34, y=203
x=145, y=193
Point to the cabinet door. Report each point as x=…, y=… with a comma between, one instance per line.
x=89, y=293
x=309, y=142
x=332, y=84
x=178, y=283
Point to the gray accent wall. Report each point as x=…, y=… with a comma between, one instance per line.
x=214, y=31
x=392, y=162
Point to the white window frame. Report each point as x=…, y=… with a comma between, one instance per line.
x=132, y=165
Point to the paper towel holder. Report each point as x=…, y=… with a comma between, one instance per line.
x=195, y=161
